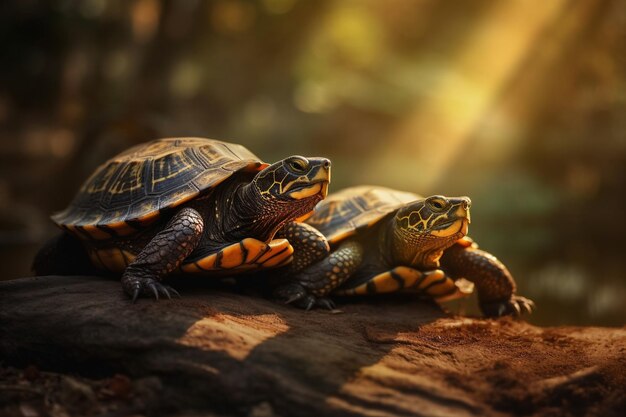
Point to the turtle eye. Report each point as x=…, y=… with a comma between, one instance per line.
x=298, y=165
x=437, y=203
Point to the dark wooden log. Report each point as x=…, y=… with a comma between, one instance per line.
x=232, y=353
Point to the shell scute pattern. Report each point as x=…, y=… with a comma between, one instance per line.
x=132, y=188
x=341, y=215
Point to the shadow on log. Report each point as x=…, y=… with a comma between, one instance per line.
x=230, y=353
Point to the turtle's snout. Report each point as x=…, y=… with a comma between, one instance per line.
x=466, y=203
x=320, y=169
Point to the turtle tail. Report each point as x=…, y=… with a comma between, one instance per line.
x=63, y=254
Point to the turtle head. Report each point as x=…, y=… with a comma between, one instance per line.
x=423, y=229
x=290, y=189
x=295, y=179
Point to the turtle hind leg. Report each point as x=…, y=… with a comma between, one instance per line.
x=494, y=283
x=311, y=286
x=63, y=254
x=162, y=255
x=434, y=283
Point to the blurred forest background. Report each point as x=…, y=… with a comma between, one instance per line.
x=520, y=105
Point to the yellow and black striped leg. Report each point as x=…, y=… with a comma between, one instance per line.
x=311, y=286
x=310, y=246
x=494, y=283
x=245, y=256
x=434, y=283
x=162, y=255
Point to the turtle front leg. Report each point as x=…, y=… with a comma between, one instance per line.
x=162, y=255
x=495, y=286
x=310, y=246
x=311, y=286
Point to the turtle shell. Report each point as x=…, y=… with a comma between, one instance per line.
x=344, y=213
x=130, y=190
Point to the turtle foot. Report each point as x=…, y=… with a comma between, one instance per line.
x=147, y=287
x=297, y=295
x=514, y=306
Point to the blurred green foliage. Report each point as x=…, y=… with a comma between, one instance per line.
x=520, y=106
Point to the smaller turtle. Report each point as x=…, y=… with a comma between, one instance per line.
x=371, y=240
x=184, y=205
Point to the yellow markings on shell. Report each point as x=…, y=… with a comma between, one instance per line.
x=307, y=191
x=184, y=165
x=92, y=186
x=135, y=171
x=76, y=231
x=341, y=236
x=146, y=218
x=121, y=228
x=112, y=259
x=180, y=198
x=95, y=232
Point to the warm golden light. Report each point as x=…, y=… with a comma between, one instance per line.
x=433, y=133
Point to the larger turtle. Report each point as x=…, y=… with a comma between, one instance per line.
x=185, y=205
x=370, y=240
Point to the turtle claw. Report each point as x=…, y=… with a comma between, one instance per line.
x=290, y=293
x=514, y=306
x=526, y=305
x=149, y=287
x=135, y=294
x=167, y=293
x=297, y=295
x=293, y=298
x=154, y=291
x=309, y=302
x=326, y=303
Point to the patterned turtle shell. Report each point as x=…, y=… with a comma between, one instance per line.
x=344, y=213
x=131, y=190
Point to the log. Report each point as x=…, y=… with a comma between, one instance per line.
x=235, y=354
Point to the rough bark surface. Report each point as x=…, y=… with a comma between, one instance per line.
x=234, y=354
